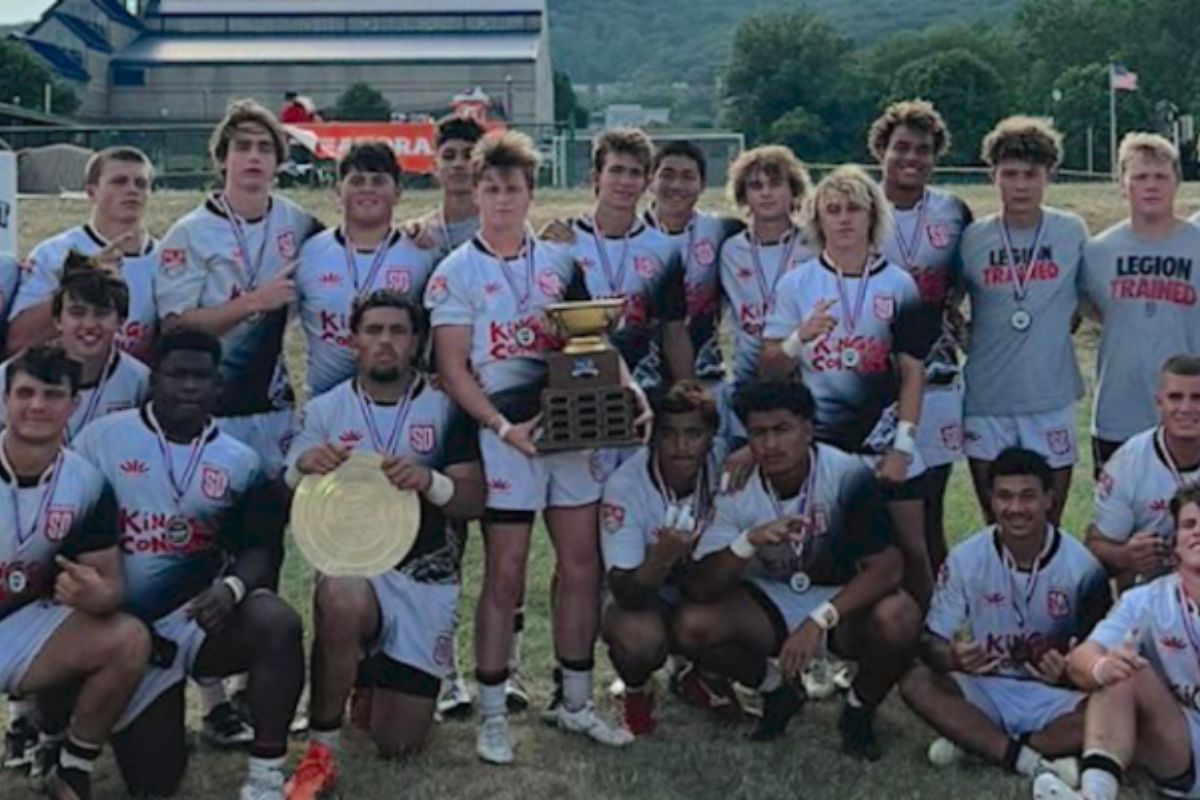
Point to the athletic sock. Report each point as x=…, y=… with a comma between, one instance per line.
x=577, y=687
x=76, y=761
x=264, y=770
x=772, y=677
x=1028, y=761
x=1101, y=779
x=330, y=737
x=491, y=694
x=18, y=710
x=853, y=700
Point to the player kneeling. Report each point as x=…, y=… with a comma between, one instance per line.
x=1142, y=663
x=800, y=558
x=404, y=619
x=1009, y=603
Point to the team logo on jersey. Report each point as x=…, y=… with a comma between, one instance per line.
x=499, y=485
x=350, y=438
x=287, y=244
x=744, y=274
x=704, y=253
x=422, y=438
x=1171, y=642
x=939, y=235
x=134, y=467
x=1059, y=441
x=612, y=517
x=951, y=436
x=884, y=306
x=399, y=280
x=443, y=649
x=644, y=266
x=58, y=523
x=1058, y=605
x=214, y=482
x=1104, y=486
x=492, y=288
x=438, y=290
x=174, y=260
x=550, y=284
x=994, y=598
x=1160, y=506
x=330, y=279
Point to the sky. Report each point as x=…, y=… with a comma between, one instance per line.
x=22, y=10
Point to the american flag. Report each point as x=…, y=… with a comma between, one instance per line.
x=1121, y=79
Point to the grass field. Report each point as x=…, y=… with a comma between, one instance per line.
x=690, y=756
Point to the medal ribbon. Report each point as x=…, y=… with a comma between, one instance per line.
x=377, y=260
x=909, y=248
x=1010, y=564
x=615, y=282
x=250, y=269
x=853, y=313
x=700, y=501
x=50, y=475
x=760, y=274
x=527, y=248
x=1020, y=279
x=180, y=484
x=801, y=510
x=1161, y=439
x=365, y=404
x=93, y=403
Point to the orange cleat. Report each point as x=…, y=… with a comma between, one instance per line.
x=639, y=712
x=316, y=775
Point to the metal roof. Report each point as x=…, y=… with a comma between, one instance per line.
x=89, y=34
x=113, y=10
x=399, y=48
x=58, y=59
x=240, y=8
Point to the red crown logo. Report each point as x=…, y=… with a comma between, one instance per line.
x=330, y=279
x=1173, y=643
x=994, y=599
x=134, y=467
x=351, y=437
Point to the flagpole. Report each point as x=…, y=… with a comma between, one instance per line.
x=1112, y=124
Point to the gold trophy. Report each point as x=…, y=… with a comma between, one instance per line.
x=584, y=405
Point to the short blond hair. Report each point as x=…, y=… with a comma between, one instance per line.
x=850, y=183
x=1152, y=146
x=505, y=150
x=245, y=112
x=774, y=161
x=919, y=115
x=94, y=169
x=1023, y=138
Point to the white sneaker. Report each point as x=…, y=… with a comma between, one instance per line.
x=1048, y=786
x=455, y=697
x=266, y=787
x=516, y=696
x=493, y=745
x=818, y=679
x=616, y=689
x=944, y=753
x=592, y=724
x=1067, y=770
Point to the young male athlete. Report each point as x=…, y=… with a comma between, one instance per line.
x=199, y=537
x=1142, y=277
x=927, y=225
x=60, y=571
x=405, y=619
x=456, y=219
x=1011, y=601
x=488, y=301
x=1021, y=271
x=1132, y=530
x=118, y=182
x=799, y=559
x=1142, y=665
x=365, y=253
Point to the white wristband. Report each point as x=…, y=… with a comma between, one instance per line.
x=441, y=489
x=742, y=547
x=503, y=427
x=826, y=616
x=792, y=346
x=906, y=438
x=236, y=586
x=292, y=476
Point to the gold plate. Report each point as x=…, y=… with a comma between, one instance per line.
x=352, y=521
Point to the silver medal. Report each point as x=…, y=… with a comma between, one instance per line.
x=179, y=532
x=526, y=337
x=800, y=582
x=1021, y=320
x=851, y=357
x=16, y=580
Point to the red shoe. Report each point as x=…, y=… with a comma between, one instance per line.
x=639, y=712
x=360, y=709
x=708, y=692
x=316, y=775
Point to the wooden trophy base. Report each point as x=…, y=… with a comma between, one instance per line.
x=584, y=405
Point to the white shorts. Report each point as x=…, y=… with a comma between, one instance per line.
x=269, y=434
x=188, y=637
x=418, y=621
x=793, y=606
x=1050, y=434
x=940, y=434
x=1017, y=706
x=516, y=482
x=23, y=634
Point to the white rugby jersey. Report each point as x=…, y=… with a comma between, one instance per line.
x=503, y=301
x=1165, y=627
x=847, y=521
x=634, y=507
x=1010, y=371
x=924, y=240
x=750, y=286
x=165, y=565
x=1147, y=293
x=207, y=259
x=125, y=383
x=331, y=277
x=699, y=246
x=1136, y=486
x=645, y=269
x=1017, y=615
x=850, y=397
x=43, y=271
x=425, y=427
x=10, y=274
x=69, y=510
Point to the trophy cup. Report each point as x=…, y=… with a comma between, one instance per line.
x=584, y=405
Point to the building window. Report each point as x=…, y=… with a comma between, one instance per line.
x=129, y=76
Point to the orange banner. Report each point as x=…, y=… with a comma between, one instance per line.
x=415, y=143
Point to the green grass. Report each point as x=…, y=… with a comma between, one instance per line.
x=691, y=756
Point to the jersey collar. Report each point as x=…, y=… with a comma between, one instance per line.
x=143, y=415
x=340, y=237
x=102, y=243
x=1165, y=459
x=873, y=268
x=639, y=226
x=1055, y=543
x=214, y=207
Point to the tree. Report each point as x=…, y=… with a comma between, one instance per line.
x=364, y=103
x=24, y=76
x=567, y=108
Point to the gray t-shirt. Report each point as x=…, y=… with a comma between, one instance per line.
x=1146, y=291
x=1011, y=371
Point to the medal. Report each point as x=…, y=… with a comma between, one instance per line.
x=365, y=405
x=179, y=484
x=767, y=288
x=526, y=336
x=50, y=476
x=1021, y=609
x=250, y=269
x=16, y=580
x=616, y=280
x=800, y=582
x=377, y=259
x=179, y=532
x=522, y=293
x=1021, y=320
x=850, y=357
x=799, y=543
